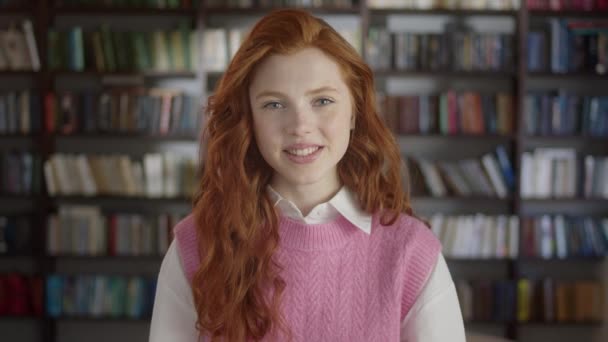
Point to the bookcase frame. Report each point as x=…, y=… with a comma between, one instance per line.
x=43, y=13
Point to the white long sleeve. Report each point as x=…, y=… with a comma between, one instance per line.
x=173, y=316
x=436, y=314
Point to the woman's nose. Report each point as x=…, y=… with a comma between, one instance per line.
x=301, y=121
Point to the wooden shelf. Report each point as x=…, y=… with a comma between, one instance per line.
x=459, y=136
x=236, y=11
x=13, y=10
x=126, y=135
x=444, y=74
x=17, y=136
x=579, y=142
x=578, y=259
x=464, y=202
x=101, y=319
x=578, y=200
x=478, y=260
x=147, y=74
x=564, y=324
x=569, y=14
x=120, y=258
x=4, y=195
x=585, y=75
x=18, y=73
x=122, y=11
x=557, y=138
x=97, y=198
x=450, y=12
x=537, y=323
x=20, y=317
x=594, y=259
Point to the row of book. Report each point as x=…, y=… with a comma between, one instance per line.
x=564, y=237
x=221, y=44
x=282, y=3
x=21, y=295
x=85, y=230
x=528, y=300
x=443, y=4
x=456, y=49
x=154, y=175
x=99, y=296
x=569, y=46
x=552, y=300
x=18, y=50
x=174, y=4
x=565, y=5
x=477, y=236
x=13, y=3
x=489, y=176
x=562, y=113
x=450, y=112
x=561, y=173
x=20, y=112
x=153, y=111
x=15, y=235
x=487, y=300
x=20, y=173
x=161, y=4
x=104, y=50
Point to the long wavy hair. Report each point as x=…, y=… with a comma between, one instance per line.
x=237, y=225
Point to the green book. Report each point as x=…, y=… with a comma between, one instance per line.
x=141, y=52
x=108, y=49
x=185, y=30
x=54, y=50
x=443, y=113
x=122, y=57
x=77, y=49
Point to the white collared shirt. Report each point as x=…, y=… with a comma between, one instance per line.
x=434, y=317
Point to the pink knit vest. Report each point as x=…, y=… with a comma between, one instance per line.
x=342, y=284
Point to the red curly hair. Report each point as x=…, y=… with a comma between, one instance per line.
x=237, y=225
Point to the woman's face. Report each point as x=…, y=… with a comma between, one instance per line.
x=302, y=116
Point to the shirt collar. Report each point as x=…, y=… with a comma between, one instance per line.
x=344, y=202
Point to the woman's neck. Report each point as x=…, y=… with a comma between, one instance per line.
x=306, y=196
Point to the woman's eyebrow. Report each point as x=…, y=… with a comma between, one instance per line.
x=270, y=93
x=310, y=92
x=322, y=90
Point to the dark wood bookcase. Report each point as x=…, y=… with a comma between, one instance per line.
x=43, y=13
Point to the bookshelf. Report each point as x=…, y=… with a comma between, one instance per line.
x=45, y=15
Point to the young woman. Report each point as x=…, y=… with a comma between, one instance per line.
x=302, y=229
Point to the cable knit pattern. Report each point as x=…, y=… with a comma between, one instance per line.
x=342, y=284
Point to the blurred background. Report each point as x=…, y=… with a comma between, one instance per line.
x=500, y=108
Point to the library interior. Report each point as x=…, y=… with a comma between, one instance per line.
x=499, y=109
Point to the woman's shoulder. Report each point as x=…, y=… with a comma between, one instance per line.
x=409, y=230
x=185, y=226
x=187, y=245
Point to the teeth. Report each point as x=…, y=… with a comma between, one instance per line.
x=303, y=152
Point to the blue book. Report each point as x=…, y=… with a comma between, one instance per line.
x=505, y=166
x=54, y=295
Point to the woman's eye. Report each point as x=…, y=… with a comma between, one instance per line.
x=323, y=102
x=273, y=105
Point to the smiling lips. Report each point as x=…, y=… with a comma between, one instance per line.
x=303, y=153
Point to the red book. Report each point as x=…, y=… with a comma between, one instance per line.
x=18, y=294
x=36, y=295
x=3, y=297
